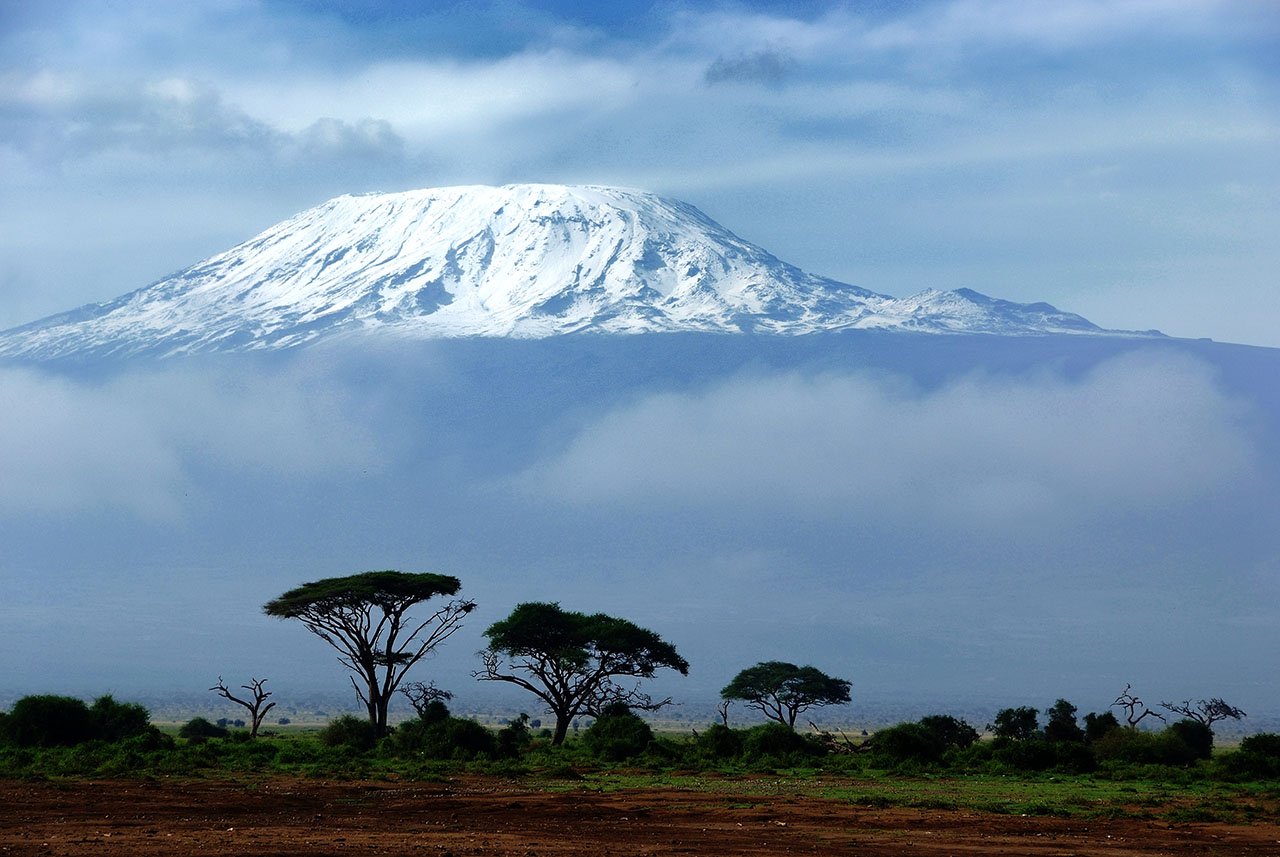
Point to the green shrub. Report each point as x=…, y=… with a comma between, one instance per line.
x=514, y=738
x=1263, y=744
x=1062, y=725
x=1027, y=754
x=1137, y=747
x=434, y=711
x=975, y=757
x=719, y=743
x=663, y=752
x=1257, y=758
x=450, y=738
x=49, y=721
x=468, y=739
x=906, y=743
x=1016, y=724
x=923, y=743
x=1097, y=725
x=115, y=721
x=1196, y=735
x=1132, y=746
x=349, y=731
x=617, y=734
x=150, y=741
x=1073, y=757
x=776, y=742
x=951, y=731
x=198, y=730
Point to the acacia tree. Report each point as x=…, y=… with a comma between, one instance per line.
x=780, y=691
x=573, y=661
x=365, y=617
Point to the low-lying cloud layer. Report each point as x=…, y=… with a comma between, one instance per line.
x=136, y=444
x=1135, y=435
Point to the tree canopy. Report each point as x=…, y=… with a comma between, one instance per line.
x=365, y=618
x=572, y=661
x=780, y=691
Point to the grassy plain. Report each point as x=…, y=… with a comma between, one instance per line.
x=1174, y=795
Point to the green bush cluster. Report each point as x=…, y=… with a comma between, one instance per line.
x=1063, y=745
x=1021, y=744
x=618, y=734
x=199, y=729
x=1258, y=758
x=351, y=732
x=61, y=736
x=767, y=745
x=438, y=735
x=48, y=720
x=923, y=743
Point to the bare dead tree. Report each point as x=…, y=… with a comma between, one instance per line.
x=838, y=742
x=1206, y=711
x=421, y=696
x=1132, y=705
x=723, y=710
x=256, y=707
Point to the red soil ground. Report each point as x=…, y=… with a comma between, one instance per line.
x=489, y=816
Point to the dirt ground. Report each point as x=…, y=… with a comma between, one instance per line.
x=489, y=816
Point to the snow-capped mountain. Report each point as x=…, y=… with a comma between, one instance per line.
x=520, y=261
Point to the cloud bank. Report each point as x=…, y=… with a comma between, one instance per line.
x=1135, y=435
x=137, y=445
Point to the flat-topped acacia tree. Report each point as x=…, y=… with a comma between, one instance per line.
x=780, y=691
x=572, y=661
x=365, y=617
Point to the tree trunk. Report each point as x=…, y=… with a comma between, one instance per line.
x=371, y=706
x=381, y=704
x=562, y=729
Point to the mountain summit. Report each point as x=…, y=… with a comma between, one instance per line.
x=521, y=261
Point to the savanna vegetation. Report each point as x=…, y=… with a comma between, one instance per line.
x=593, y=667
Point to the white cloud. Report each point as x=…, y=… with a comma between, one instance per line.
x=56, y=119
x=1137, y=435
x=66, y=446
x=976, y=24
x=430, y=100
x=129, y=445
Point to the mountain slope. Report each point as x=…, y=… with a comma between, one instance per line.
x=522, y=260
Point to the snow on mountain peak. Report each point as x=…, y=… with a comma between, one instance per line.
x=529, y=260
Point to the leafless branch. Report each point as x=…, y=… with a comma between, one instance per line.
x=256, y=708
x=421, y=696
x=1206, y=711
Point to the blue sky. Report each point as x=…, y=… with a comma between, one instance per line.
x=1114, y=158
